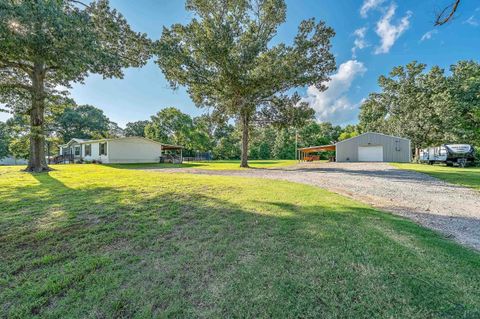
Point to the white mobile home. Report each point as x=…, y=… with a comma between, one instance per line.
x=118, y=150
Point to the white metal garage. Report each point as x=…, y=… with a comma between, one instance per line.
x=370, y=153
x=373, y=147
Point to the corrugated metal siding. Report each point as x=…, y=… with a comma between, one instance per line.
x=395, y=149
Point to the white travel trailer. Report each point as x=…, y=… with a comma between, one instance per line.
x=450, y=154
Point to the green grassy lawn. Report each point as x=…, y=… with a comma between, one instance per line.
x=88, y=241
x=468, y=176
x=212, y=165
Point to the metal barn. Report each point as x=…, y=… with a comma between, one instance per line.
x=374, y=147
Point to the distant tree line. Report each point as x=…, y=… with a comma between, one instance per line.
x=429, y=107
x=202, y=133
x=223, y=139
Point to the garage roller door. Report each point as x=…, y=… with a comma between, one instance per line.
x=370, y=153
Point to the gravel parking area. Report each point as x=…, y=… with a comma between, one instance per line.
x=451, y=209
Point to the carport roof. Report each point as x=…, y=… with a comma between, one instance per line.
x=320, y=148
x=171, y=147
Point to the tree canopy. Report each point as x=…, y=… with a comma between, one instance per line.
x=4, y=140
x=464, y=88
x=48, y=44
x=82, y=121
x=136, y=128
x=171, y=126
x=225, y=57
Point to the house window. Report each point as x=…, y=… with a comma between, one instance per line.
x=103, y=148
x=88, y=150
x=77, y=150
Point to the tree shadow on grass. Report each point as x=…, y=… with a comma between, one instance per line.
x=124, y=253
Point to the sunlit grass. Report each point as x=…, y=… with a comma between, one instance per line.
x=212, y=165
x=468, y=176
x=92, y=241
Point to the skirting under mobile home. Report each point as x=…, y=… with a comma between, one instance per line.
x=374, y=147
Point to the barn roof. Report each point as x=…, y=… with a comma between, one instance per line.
x=375, y=133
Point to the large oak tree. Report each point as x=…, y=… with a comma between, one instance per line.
x=227, y=59
x=48, y=44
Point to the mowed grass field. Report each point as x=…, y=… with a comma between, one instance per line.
x=468, y=176
x=212, y=165
x=91, y=241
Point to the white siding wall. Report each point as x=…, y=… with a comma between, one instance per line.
x=95, y=153
x=133, y=150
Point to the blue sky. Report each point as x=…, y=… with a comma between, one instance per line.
x=383, y=34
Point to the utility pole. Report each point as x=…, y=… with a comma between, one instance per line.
x=296, y=145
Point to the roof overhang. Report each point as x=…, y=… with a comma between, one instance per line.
x=73, y=140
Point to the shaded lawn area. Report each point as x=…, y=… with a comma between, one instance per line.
x=94, y=241
x=468, y=176
x=212, y=165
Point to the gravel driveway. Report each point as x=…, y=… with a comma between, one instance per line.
x=450, y=209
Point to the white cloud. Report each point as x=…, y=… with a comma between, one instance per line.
x=369, y=5
x=388, y=32
x=333, y=104
x=428, y=35
x=359, y=42
x=472, y=21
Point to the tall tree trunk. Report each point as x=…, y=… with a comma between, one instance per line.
x=245, y=126
x=417, y=154
x=37, y=161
